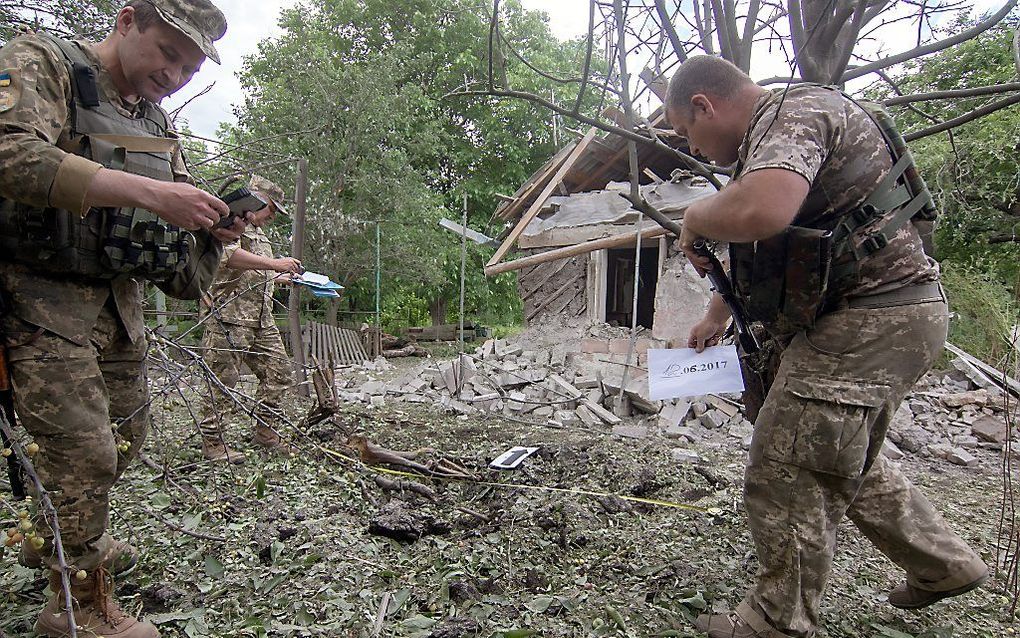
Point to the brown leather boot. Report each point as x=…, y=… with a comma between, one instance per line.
x=122, y=561
x=906, y=596
x=214, y=449
x=269, y=439
x=96, y=613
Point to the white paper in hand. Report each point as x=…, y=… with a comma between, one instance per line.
x=683, y=372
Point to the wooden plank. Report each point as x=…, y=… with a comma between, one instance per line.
x=545, y=279
x=536, y=181
x=554, y=296
x=579, y=249
x=539, y=202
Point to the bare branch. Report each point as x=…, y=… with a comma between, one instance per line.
x=933, y=47
x=587, y=56
x=963, y=119
x=667, y=27
x=953, y=94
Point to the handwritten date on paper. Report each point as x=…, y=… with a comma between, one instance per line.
x=683, y=372
x=675, y=370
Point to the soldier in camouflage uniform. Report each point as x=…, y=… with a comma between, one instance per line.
x=805, y=159
x=76, y=345
x=242, y=330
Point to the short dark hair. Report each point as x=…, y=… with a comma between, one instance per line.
x=704, y=74
x=145, y=14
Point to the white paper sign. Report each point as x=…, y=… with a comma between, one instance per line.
x=683, y=372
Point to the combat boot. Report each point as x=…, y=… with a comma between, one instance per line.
x=214, y=449
x=122, y=561
x=96, y=613
x=724, y=626
x=269, y=439
x=906, y=596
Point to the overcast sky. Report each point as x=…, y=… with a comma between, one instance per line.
x=249, y=22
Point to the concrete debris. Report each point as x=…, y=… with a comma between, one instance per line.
x=892, y=452
x=990, y=429
x=953, y=416
x=960, y=399
x=960, y=456
x=685, y=456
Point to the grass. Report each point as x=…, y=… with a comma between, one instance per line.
x=298, y=559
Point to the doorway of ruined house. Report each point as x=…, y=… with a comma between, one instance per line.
x=619, y=285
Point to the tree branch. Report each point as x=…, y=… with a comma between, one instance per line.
x=933, y=47
x=707, y=171
x=977, y=91
x=667, y=26
x=963, y=119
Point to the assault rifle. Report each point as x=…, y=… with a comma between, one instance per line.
x=717, y=275
x=721, y=284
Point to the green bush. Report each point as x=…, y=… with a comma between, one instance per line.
x=984, y=310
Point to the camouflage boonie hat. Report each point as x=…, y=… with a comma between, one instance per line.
x=202, y=22
x=263, y=185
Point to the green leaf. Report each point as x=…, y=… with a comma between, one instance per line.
x=889, y=632
x=540, y=603
x=274, y=551
x=271, y=584
x=260, y=486
x=213, y=567
x=160, y=500
x=302, y=617
x=697, y=601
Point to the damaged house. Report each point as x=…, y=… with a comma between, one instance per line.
x=578, y=236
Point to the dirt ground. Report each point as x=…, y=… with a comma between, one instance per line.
x=548, y=550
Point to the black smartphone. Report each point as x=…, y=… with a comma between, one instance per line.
x=240, y=201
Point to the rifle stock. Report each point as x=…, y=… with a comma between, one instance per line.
x=721, y=284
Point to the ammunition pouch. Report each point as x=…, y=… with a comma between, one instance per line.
x=788, y=277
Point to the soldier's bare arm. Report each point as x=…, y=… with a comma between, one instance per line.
x=242, y=259
x=757, y=206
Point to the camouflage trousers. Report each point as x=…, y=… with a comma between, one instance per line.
x=226, y=347
x=815, y=459
x=78, y=403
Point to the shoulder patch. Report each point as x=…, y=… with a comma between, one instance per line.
x=10, y=89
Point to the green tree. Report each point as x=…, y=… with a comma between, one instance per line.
x=972, y=170
x=357, y=88
x=974, y=175
x=89, y=19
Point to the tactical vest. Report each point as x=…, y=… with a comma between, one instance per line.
x=106, y=242
x=787, y=281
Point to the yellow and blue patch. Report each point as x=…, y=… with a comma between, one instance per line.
x=8, y=90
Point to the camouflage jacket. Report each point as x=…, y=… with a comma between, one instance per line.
x=245, y=297
x=833, y=143
x=35, y=128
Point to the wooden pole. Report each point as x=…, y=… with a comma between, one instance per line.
x=463, y=262
x=297, y=345
x=570, y=251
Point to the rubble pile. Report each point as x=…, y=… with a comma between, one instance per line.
x=947, y=416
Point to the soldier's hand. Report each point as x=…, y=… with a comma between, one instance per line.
x=706, y=332
x=229, y=234
x=189, y=207
x=701, y=263
x=288, y=264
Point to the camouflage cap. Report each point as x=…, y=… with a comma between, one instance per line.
x=200, y=20
x=263, y=185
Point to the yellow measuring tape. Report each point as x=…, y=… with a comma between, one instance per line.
x=561, y=490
